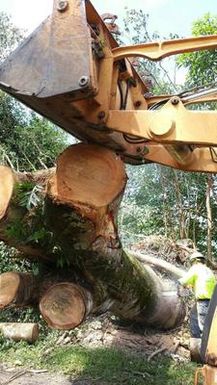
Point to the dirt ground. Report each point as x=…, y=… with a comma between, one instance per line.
x=25, y=377
x=104, y=331
x=107, y=331
x=37, y=377
x=22, y=377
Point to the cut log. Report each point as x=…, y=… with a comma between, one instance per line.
x=88, y=174
x=72, y=221
x=6, y=189
x=20, y=331
x=87, y=189
x=17, y=289
x=65, y=305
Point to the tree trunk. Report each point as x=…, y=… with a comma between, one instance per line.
x=209, y=216
x=165, y=202
x=181, y=211
x=68, y=218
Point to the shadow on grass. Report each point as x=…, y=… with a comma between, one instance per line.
x=108, y=366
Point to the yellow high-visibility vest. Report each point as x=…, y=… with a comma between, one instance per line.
x=201, y=279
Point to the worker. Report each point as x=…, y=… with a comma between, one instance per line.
x=202, y=280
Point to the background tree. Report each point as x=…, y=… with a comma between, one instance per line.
x=160, y=200
x=10, y=36
x=201, y=65
x=202, y=72
x=158, y=76
x=27, y=141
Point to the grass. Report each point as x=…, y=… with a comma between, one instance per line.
x=103, y=366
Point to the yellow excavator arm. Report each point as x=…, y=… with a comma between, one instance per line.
x=72, y=71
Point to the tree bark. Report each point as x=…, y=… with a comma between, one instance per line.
x=68, y=217
x=209, y=216
x=165, y=201
x=182, y=229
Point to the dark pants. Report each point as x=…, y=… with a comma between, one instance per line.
x=198, y=316
x=202, y=309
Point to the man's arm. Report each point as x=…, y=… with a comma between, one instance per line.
x=189, y=278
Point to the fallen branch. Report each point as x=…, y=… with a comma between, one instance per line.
x=37, y=371
x=14, y=377
x=137, y=373
x=158, y=351
x=157, y=262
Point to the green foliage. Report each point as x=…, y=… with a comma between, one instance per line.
x=30, y=231
x=8, y=259
x=31, y=143
x=17, y=315
x=201, y=65
x=16, y=231
x=62, y=261
x=28, y=226
x=25, y=194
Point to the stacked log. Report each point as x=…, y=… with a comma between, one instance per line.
x=17, y=289
x=67, y=219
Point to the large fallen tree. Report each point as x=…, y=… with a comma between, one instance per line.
x=67, y=219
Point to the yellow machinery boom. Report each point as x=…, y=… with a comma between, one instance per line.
x=72, y=71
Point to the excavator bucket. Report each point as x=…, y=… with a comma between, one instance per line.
x=56, y=71
x=53, y=67
x=64, y=71
x=55, y=59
